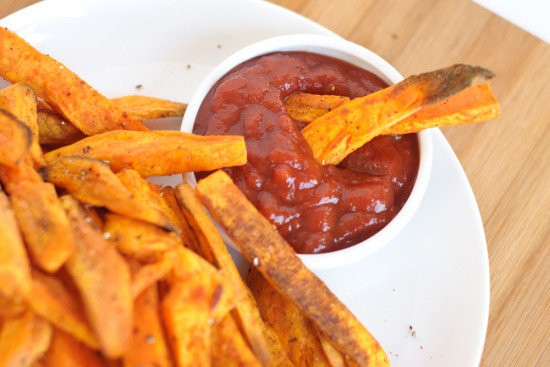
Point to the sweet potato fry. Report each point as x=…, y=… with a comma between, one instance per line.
x=139, y=240
x=190, y=267
x=186, y=310
x=279, y=353
x=93, y=217
x=11, y=175
x=343, y=130
x=52, y=130
x=11, y=307
x=473, y=104
x=198, y=297
x=52, y=301
x=158, y=153
x=19, y=99
x=42, y=105
x=149, y=274
x=306, y=107
x=23, y=340
x=262, y=245
x=229, y=348
x=146, y=108
x=15, y=276
x=103, y=279
x=15, y=139
x=144, y=191
x=334, y=357
x=67, y=351
x=188, y=238
x=213, y=249
x=69, y=95
x=139, y=107
x=92, y=182
x=43, y=223
x=294, y=330
x=147, y=345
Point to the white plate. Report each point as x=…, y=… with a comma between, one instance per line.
x=434, y=276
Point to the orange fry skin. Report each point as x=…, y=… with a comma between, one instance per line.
x=69, y=95
x=158, y=153
x=15, y=139
x=229, y=348
x=146, y=108
x=188, y=238
x=51, y=300
x=306, y=107
x=67, y=351
x=15, y=275
x=212, y=247
x=146, y=193
x=185, y=310
x=262, y=245
x=148, y=346
x=92, y=182
x=52, y=130
x=24, y=340
x=20, y=100
x=335, y=358
x=149, y=274
x=103, y=278
x=474, y=104
x=43, y=223
x=11, y=307
x=137, y=239
x=295, y=332
x=343, y=130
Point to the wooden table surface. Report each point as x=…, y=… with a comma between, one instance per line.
x=507, y=161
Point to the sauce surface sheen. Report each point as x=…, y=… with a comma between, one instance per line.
x=315, y=208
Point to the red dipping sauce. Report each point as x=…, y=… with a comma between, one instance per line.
x=315, y=208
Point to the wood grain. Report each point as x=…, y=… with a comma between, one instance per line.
x=507, y=161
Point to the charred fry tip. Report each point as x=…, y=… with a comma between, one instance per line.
x=447, y=81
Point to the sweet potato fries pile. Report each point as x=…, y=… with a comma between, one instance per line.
x=99, y=267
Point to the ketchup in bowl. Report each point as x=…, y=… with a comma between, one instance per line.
x=315, y=208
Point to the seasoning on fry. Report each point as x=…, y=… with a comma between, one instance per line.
x=70, y=96
x=256, y=237
x=103, y=279
x=158, y=153
x=338, y=133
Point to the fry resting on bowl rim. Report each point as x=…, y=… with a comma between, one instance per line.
x=473, y=104
x=346, y=128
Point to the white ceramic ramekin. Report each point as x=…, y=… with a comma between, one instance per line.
x=356, y=55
